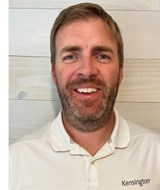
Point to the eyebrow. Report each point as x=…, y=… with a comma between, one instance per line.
x=70, y=49
x=102, y=48
x=94, y=49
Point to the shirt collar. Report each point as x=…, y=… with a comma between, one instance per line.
x=60, y=140
x=120, y=136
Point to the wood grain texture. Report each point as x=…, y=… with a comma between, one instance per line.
x=145, y=114
x=30, y=31
x=30, y=78
x=109, y=4
x=141, y=81
x=27, y=116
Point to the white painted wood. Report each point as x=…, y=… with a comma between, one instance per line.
x=145, y=114
x=30, y=78
x=30, y=31
x=141, y=81
x=109, y=4
x=26, y=116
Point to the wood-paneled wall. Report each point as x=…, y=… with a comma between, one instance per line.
x=33, y=97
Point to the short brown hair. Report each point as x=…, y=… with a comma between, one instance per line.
x=84, y=11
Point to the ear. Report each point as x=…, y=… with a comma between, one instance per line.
x=120, y=74
x=53, y=73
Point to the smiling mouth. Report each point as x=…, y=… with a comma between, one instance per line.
x=86, y=90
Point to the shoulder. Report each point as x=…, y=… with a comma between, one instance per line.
x=137, y=129
x=141, y=134
x=39, y=136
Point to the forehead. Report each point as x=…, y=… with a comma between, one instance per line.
x=90, y=31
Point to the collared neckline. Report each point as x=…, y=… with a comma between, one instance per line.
x=120, y=136
x=61, y=141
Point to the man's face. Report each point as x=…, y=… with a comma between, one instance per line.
x=86, y=72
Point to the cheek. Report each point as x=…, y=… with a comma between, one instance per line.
x=110, y=76
x=63, y=75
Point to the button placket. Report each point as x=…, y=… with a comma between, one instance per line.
x=91, y=171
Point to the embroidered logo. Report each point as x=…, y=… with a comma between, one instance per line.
x=140, y=182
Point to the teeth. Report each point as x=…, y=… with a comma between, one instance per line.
x=86, y=90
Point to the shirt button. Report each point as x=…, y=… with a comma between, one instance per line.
x=93, y=163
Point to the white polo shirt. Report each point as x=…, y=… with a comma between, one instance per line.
x=49, y=160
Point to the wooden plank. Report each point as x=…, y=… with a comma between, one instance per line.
x=30, y=31
x=145, y=114
x=109, y=4
x=26, y=116
x=30, y=78
x=141, y=81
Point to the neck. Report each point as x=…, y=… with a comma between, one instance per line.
x=91, y=141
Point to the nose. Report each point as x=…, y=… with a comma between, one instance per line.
x=87, y=68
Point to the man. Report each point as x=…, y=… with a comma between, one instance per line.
x=88, y=145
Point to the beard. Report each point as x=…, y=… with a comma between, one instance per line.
x=87, y=115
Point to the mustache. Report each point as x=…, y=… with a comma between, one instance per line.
x=86, y=81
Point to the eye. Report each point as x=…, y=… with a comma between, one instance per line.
x=103, y=57
x=69, y=58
